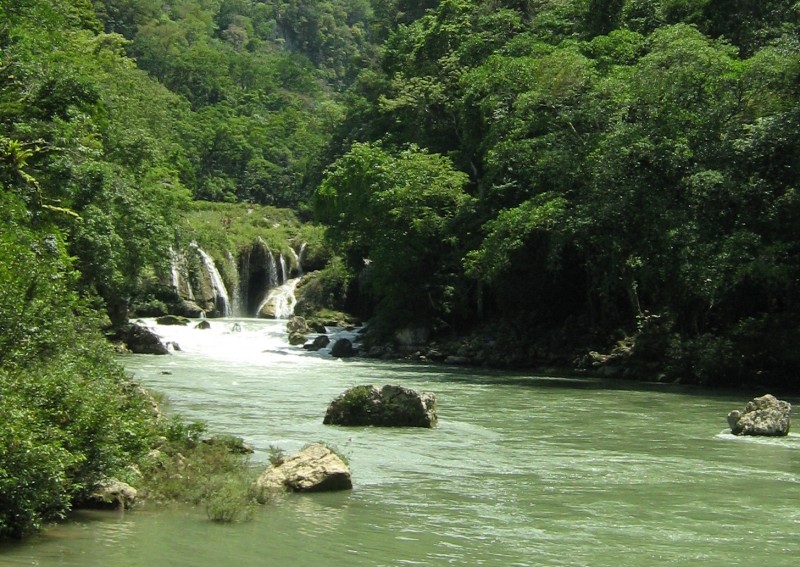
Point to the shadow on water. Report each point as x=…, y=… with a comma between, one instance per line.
x=540, y=379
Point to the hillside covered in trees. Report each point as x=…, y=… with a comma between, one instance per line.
x=532, y=180
x=562, y=174
x=571, y=174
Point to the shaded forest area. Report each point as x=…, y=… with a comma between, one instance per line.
x=559, y=175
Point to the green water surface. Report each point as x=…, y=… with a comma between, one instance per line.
x=521, y=470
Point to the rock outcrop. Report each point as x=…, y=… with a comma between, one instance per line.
x=111, y=493
x=141, y=340
x=316, y=468
x=391, y=406
x=767, y=416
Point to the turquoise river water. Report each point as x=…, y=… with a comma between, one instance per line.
x=521, y=470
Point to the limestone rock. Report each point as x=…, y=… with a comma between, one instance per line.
x=391, y=406
x=111, y=493
x=297, y=324
x=766, y=416
x=316, y=468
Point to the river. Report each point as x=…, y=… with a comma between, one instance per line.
x=521, y=470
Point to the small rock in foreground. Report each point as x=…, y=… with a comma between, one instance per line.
x=314, y=469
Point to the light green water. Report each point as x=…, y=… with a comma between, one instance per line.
x=522, y=470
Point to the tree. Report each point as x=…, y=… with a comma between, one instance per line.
x=394, y=215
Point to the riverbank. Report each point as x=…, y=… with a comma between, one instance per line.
x=650, y=353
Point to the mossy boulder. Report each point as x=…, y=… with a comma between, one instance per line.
x=389, y=406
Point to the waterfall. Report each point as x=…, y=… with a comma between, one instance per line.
x=236, y=302
x=217, y=285
x=272, y=271
x=280, y=301
x=244, y=283
x=284, y=279
x=300, y=259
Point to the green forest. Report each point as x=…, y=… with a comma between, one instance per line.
x=577, y=184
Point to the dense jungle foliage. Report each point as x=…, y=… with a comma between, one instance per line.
x=551, y=176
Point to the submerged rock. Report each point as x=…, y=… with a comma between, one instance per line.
x=172, y=320
x=232, y=443
x=296, y=339
x=767, y=416
x=316, y=468
x=391, y=406
x=202, y=325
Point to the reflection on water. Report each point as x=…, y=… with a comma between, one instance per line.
x=522, y=470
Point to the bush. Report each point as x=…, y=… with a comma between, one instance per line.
x=68, y=415
x=325, y=289
x=33, y=469
x=213, y=475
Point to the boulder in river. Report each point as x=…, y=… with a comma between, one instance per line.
x=173, y=320
x=391, y=406
x=320, y=342
x=141, y=340
x=296, y=338
x=297, y=324
x=314, y=469
x=203, y=325
x=767, y=416
x=342, y=348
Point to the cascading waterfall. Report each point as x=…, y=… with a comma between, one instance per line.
x=280, y=301
x=221, y=298
x=299, y=257
x=284, y=277
x=236, y=301
x=273, y=271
